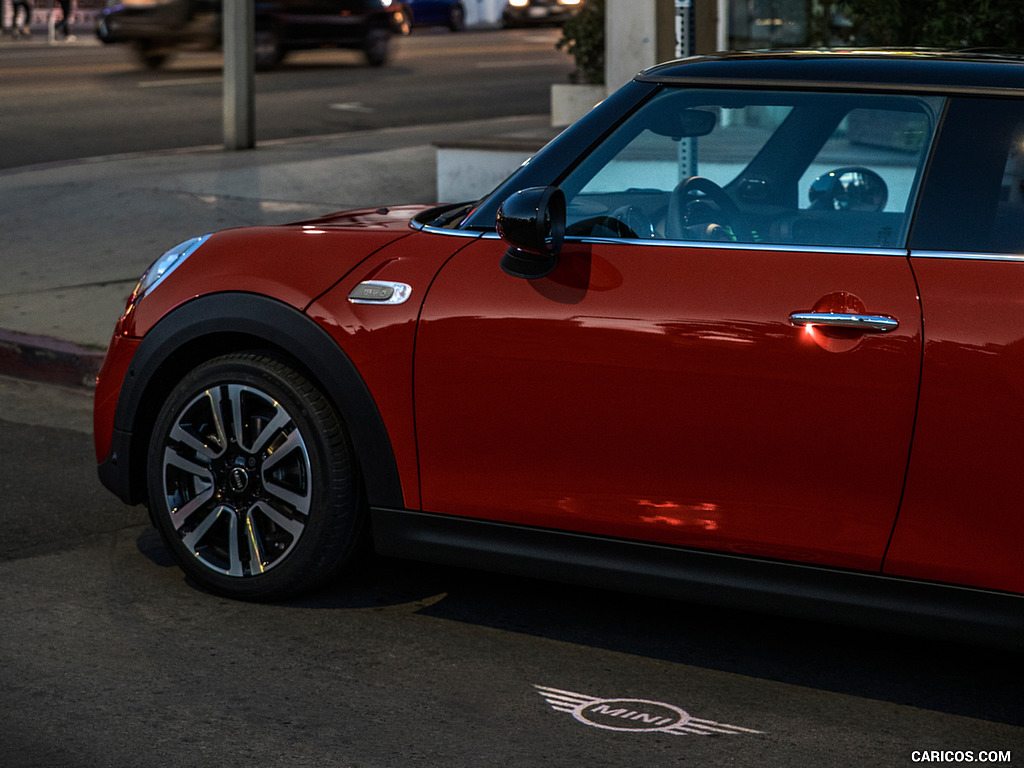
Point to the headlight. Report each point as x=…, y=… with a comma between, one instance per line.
x=163, y=266
x=518, y=3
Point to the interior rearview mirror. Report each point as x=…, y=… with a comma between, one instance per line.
x=684, y=123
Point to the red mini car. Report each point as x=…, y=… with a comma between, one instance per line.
x=751, y=332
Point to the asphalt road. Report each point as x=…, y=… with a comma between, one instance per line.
x=84, y=100
x=109, y=657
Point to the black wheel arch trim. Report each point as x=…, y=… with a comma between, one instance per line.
x=872, y=600
x=201, y=327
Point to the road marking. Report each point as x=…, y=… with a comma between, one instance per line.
x=516, y=64
x=352, y=106
x=183, y=81
x=542, y=37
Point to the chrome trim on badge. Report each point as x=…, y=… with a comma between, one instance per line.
x=380, y=292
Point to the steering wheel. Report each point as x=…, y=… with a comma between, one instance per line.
x=601, y=226
x=699, y=202
x=636, y=220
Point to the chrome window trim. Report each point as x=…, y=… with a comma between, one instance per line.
x=964, y=256
x=413, y=224
x=787, y=248
x=792, y=248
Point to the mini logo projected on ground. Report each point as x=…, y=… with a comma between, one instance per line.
x=634, y=715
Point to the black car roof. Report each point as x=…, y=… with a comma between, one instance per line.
x=876, y=70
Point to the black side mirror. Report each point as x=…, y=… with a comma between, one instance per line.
x=532, y=222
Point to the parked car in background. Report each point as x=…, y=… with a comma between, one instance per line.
x=524, y=13
x=436, y=13
x=750, y=332
x=157, y=29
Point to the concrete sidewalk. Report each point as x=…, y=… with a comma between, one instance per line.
x=77, y=235
x=82, y=28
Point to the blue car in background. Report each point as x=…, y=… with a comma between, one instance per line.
x=426, y=13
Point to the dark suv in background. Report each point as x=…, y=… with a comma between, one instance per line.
x=158, y=28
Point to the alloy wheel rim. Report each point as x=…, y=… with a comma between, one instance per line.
x=237, y=480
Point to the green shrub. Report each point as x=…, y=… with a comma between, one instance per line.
x=583, y=38
x=939, y=23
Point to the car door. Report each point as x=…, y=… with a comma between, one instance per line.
x=961, y=520
x=695, y=392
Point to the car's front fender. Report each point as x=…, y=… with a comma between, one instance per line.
x=218, y=324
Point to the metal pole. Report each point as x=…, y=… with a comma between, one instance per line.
x=722, y=26
x=239, y=29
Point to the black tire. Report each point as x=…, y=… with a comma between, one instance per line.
x=252, y=480
x=456, y=18
x=150, y=54
x=376, y=46
x=267, y=50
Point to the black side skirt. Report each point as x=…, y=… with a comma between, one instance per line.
x=768, y=586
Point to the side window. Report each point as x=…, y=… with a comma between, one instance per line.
x=868, y=170
x=889, y=142
x=1008, y=223
x=757, y=167
x=973, y=200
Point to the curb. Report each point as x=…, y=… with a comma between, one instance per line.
x=84, y=31
x=48, y=360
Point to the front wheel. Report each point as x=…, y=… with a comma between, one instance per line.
x=376, y=46
x=267, y=50
x=151, y=54
x=456, y=18
x=252, y=480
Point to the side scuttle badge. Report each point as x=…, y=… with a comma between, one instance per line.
x=380, y=292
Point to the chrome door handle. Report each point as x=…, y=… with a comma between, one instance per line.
x=866, y=323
